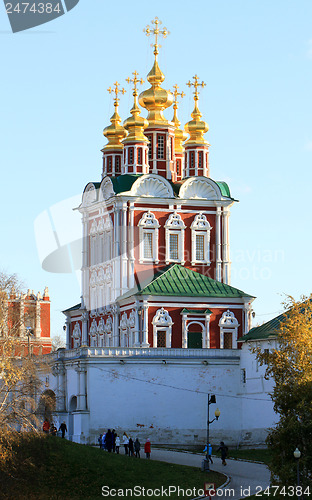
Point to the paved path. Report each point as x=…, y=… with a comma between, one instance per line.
x=243, y=475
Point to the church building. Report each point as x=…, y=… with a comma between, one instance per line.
x=158, y=325
x=156, y=251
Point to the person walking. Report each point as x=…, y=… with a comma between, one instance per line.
x=100, y=441
x=125, y=442
x=137, y=447
x=209, y=452
x=147, y=448
x=117, y=443
x=63, y=429
x=224, y=452
x=114, y=433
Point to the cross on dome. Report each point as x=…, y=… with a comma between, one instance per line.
x=135, y=81
x=156, y=32
x=176, y=94
x=195, y=84
x=116, y=90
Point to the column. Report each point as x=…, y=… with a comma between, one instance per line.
x=68, y=338
x=59, y=371
x=138, y=313
x=218, y=245
x=82, y=387
x=115, y=334
x=85, y=263
x=84, y=336
x=145, y=325
x=154, y=154
x=124, y=257
x=184, y=331
x=131, y=246
x=226, y=249
x=207, y=332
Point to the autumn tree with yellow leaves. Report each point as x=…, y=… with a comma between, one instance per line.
x=19, y=376
x=290, y=367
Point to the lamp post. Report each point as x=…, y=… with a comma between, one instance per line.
x=211, y=399
x=297, y=455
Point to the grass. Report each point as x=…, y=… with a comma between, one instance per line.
x=50, y=468
x=255, y=455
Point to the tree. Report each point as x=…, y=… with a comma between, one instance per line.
x=58, y=342
x=19, y=376
x=290, y=366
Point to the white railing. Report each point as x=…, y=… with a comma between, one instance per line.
x=137, y=352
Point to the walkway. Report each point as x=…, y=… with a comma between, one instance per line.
x=246, y=478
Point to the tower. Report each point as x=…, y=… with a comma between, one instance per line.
x=156, y=264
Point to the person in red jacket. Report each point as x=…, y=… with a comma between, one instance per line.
x=46, y=426
x=147, y=448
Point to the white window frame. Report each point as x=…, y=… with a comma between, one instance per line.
x=161, y=140
x=148, y=224
x=175, y=225
x=162, y=321
x=200, y=226
x=228, y=324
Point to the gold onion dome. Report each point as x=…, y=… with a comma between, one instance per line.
x=115, y=132
x=156, y=99
x=179, y=135
x=196, y=127
x=135, y=124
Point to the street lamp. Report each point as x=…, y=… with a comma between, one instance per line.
x=297, y=455
x=211, y=399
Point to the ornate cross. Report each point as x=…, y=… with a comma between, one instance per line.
x=135, y=81
x=116, y=91
x=176, y=94
x=157, y=32
x=195, y=84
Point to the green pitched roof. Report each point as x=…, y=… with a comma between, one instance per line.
x=177, y=280
x=265, y=331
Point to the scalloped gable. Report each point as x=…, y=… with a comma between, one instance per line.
x=90, y=193
x=200, y=188
x=152, y=185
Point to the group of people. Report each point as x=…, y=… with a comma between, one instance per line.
x=222, y=448
x=111, y=442
x=51, y=429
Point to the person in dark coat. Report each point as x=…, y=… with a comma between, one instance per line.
x=109, y=440
x=224, y=452
x=63, y=429
x=137, y=447
x=131, y=449
x=100, y=441
x=114, y=439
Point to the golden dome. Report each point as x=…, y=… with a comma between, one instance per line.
x=179, y=135
x=196, y=127
x=155, y=99
x=115, y=132
x=135, y=124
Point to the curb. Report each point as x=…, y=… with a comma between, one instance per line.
x=215, y=456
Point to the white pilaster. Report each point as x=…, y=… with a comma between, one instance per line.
x=218, y=245
x=145, y=325
x=226, y=248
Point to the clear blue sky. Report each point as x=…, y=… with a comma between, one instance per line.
x=256, y=58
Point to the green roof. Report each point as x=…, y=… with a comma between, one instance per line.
x=124, y=182
x=265, y=331
x=177, y=280
x=73, y=308
x=225, y=190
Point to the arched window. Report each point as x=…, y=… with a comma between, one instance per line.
x=228, y=330
x=148, y=234
x=175, y=228
x=200, y=240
